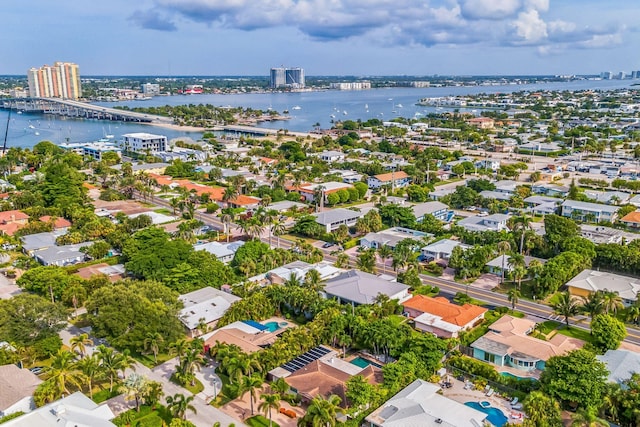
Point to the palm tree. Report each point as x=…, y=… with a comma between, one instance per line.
x=178, y=405
x=91, y=370
x=230, y=193
x=250, y=384
x=79, y=343
x=611, y=301
x=179, y=348
x=633, y=313
x=322, y=412
x=277, y=229
x=269, y=401
x=191, y=362
x=133, y=387
x=587, y=418
x=62, y=371
x=366, y=261
x=385, y=252
x=566, y=306
x=108, y=363
x=503, y=248
x=313, y=280
x=514, y=296
x=593, y=304
x=124, y=361
x=522, y=223
x=152, y=343
x=342, y=260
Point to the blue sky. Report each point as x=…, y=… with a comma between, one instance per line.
x=326, y=37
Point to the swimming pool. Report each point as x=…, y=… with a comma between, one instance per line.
x=510, y=375
x=272, y=326
x=363, y=363
x=494, y=415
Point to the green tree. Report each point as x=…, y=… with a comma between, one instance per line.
x=91, y=370
x=566, y=306
x=26, y=319
x=542, y=411
x=152, y=342
x=322, y=412
x=79, y=343
x=514, y=295
x=178, y=405
x=359, y=391
x=270, y=401
x=62, y=371
x=250, y=384
x=576, y=378
x=608, y=332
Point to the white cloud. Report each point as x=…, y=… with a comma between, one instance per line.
x=490, y=9
x=530, y=27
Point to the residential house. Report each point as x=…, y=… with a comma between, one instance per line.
x=508, y=343
x=61, y=255
x=39, y=241
x=331, y=156
x=552, y=190
x=357, y=287
x=16, y=389
x=621, y=364
x=249, y=335
x=328, y=376
x=421, y=404
x=496, y=265
x=58, y=222
x=334, y=218
x=12, y=221
x=591, y=281
x=75, y=410
x=600, y=234
x=391, y=180
x=309, y=191
x=506, y=186
x=495, y=222
x=441, y=317
x=224, y=252
x=495, y=195
x=441, y=192
x=299, y=269
x=491, y=164
x=203, y=308
x=438, y=210
x=632, y=219
x=608, y=197
x=391, y=237
x=441, y=249
x=541, y=147
x=589, y=212
x=482, y=122
x=113, y=272
x=542, y=205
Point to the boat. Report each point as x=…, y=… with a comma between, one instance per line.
x=344, y=112
x=399, y=106
x=37, y=133
x=366, y=106
x=19, y=112
x=297, y=107
x=32, y=127
x=333, y=116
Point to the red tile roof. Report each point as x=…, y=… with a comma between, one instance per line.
x=455, y=314
x=391, y=175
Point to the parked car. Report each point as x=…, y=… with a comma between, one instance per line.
x=37, y=369
x=328, y=245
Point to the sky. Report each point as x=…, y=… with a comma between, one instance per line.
x=325, y=37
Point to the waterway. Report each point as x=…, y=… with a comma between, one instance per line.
x=323, y=107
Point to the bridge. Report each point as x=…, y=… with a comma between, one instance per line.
x=71, y=108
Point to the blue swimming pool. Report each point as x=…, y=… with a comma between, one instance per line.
x=494, y=415
x=272, y=326
x=363, y=363
x=510, y=375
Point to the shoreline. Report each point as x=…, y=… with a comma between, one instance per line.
x=172, y=126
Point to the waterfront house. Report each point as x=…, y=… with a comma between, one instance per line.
x=441, y=317
x=421, y=404
x=589, y=212
x=508, y=343
x=331, y=156
x=495, y=222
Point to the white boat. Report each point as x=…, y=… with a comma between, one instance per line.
x=366, y=106
x=344, y=112
x=333, y=116
x=297, y=107
x=399, y=105
x=32, y=127
x=19, y=112
x=37, y=133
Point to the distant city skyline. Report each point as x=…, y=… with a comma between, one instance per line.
x=342, y=37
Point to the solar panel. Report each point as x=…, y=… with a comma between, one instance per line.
x=305, y=359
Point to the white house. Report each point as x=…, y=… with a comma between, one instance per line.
x=357, y=287
x=204, y=307
x=16, y=389
x=589, y=212
x=436, y=209
x=141, y=142
x=390, y=237
x=334, y=218
x=223, y=251
x=331, y=156
x=441, y=249
x=392, y=179
x=495, y=222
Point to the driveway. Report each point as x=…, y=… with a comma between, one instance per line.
x=8, y=287
x=487, y=281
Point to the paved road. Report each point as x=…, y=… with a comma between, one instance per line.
x=448, y=287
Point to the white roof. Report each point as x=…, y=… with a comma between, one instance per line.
x=219, y=250
x=143, y=135
x=328, y=186
x=427, y=208
x=444, y=246
x=590, y=207
x=621, y=364
x=207, y=303
x=592, y=281
x=437, y=322
x=420, y=405
x=362, y=288
x=156, y=218
x=335, y=215
x=75, y=410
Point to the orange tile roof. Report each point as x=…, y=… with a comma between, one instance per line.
x=10, y=228
x=631, y=217
x=58, y=223
x=161, y=179
x=12, y=216
x=455, y=314
x=391, y=175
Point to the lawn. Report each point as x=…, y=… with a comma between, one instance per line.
x=163, y=211
x=545, y=328
x=147, y=359
x=194, y=389
x=260, y=421
x=397, y=319
x=578, y=333
x=101, y=393
x=222, y=398
x=147, y=417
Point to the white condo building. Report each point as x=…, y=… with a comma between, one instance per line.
x=144, y=142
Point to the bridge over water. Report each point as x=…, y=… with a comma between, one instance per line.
x=70, y=108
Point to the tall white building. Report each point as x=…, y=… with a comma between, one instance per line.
x=287, y=77
x=141, y=142
x=150, y=88
x=62, y=80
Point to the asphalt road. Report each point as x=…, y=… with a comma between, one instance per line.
x=447, y=287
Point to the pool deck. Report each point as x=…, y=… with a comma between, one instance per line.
x=458, y=393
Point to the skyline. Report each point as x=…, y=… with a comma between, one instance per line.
x=341, y=37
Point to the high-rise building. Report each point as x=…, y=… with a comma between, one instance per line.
x=150, y=88
x=287, y=77
x=62, y=80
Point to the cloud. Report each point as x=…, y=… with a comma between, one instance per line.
x=393, y=22
x=151, y=20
